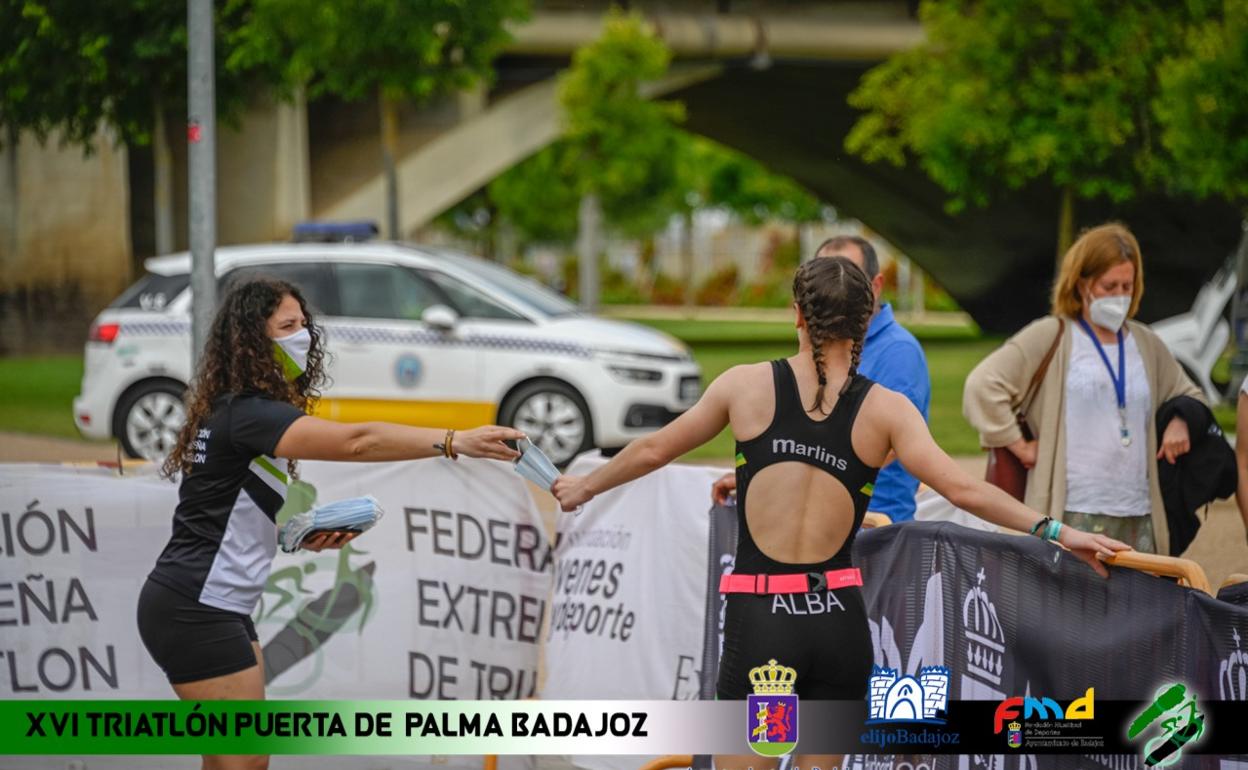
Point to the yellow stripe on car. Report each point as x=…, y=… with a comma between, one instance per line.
x=459, y=415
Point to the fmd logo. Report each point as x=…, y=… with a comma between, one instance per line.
x=1043, y=708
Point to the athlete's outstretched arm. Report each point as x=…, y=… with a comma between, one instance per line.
x=920, y=454
x=692, y=429
x=311, y=438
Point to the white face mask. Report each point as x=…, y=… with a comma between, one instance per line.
x=292, y=352
x=1110, y=312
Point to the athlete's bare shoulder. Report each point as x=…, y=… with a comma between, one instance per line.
x=743, y=376
x=748, y=391
x=882, y=405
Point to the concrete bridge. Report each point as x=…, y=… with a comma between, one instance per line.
x=767, y=78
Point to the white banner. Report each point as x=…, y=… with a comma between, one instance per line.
x=630, y=592
x=443, y=599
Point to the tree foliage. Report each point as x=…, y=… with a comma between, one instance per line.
x=355, y=49
x=617, y=143
x=723, y=178
x=1203, y=105
x=1004, y=92
x=538, y=197
x=630, y=151
x=71, y=66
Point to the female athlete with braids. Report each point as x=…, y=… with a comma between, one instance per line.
x=261, y=369
x=811, y=435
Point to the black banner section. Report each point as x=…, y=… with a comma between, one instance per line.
x=1024, y=627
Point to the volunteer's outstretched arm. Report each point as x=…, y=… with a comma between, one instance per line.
x=916, y=449
x=311, y=438
x=692, y=429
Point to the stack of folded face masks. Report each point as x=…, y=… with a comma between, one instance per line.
x=355, y=514
x=534, y=465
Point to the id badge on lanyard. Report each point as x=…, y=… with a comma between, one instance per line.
x=1119, y=380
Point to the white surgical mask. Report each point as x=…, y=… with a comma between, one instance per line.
x=1110, y=312
x=292, y=352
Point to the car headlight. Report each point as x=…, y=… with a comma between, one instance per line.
x=678, y=355
x=633, y=374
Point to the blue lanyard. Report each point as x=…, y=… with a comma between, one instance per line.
x=1120, y=381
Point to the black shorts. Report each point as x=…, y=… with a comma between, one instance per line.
x=192, y=641
x=824, y=636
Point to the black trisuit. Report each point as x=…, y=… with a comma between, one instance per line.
x=194, y=610
x=823, y=634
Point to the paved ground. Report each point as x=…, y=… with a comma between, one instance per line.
x=23, y=448
x=1221, y=548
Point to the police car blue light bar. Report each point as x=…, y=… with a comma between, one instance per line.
x=334, y=232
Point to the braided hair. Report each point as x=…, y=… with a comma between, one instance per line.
x=836, y=300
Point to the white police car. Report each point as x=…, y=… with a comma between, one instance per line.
x=417, y=335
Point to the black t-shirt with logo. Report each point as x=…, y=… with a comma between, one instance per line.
x=224, y=528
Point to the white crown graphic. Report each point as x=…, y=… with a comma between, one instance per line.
x=1233, y=673
x=985, y=638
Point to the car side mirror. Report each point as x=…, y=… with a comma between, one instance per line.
x=440, y=317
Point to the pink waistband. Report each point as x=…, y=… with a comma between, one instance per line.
x=797, y=583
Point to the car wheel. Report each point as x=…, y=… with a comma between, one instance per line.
x=149, y=419
x=553, y=416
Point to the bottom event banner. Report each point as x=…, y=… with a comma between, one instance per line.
x=765, y=725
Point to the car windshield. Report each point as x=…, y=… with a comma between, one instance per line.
x=516, y=287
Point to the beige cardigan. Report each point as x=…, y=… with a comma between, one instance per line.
x=995, y=387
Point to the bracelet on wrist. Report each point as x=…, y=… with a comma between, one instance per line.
x=1038, y=527
x=1052, y=531
x=450, y=444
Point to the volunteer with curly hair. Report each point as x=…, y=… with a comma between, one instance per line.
x=262, y=367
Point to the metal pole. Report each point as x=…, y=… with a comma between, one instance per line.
x=389, y=159
x=1239, y=317
x=589, y=223
x=201, y=133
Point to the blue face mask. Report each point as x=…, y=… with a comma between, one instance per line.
x=292, y=353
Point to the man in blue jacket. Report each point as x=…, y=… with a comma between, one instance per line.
x=892, y=357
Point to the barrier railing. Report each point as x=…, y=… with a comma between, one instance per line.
x=1187, y=571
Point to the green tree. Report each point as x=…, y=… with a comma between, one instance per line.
x=538, y=198
x=618, y=146
x=392, y=50
x=724, y=178
x=1006, y=92
x=73, y=67
x=1203, y=105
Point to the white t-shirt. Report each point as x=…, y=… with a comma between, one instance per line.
x=1103, y=476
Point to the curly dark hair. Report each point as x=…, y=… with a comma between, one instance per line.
x=836, y=300
x=238, y=357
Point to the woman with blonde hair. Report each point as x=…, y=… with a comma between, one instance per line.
x=1092, y=463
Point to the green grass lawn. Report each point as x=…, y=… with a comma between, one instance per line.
x=37, y=394
x=697, y=333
